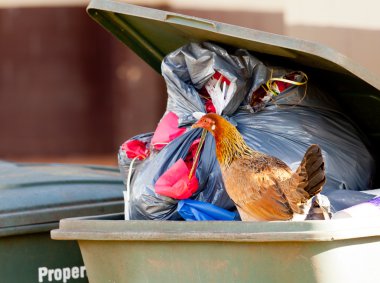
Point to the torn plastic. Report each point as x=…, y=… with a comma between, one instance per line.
x=283, y=125
x=187, y=70
x=260, y=97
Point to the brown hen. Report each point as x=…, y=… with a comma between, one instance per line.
x=263, y=187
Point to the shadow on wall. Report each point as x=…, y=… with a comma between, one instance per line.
x=67, y=87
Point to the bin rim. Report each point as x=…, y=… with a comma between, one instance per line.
x=106, y=228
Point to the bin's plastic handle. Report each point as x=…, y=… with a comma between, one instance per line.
x=190, y=21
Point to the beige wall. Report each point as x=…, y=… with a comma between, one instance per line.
x=351, y=27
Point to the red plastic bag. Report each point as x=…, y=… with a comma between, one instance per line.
x=135, y=148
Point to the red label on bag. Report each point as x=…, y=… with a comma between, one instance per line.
x=216, y=76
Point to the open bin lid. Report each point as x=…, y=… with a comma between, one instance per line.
x=34, y=197
x=152, y=34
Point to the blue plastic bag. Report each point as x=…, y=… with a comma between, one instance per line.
x=192, y=210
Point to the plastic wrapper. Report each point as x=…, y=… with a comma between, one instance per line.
x=320, y=208
x=365, y=210
x=283, y=125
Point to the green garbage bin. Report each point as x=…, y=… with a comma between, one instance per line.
x=339, y=251
x=33, y=198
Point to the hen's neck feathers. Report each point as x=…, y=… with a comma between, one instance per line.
x=230, y=144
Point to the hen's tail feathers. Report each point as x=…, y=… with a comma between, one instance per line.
x=311, y=172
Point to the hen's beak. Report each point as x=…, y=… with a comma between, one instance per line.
x=198, y=124
x=195, y=126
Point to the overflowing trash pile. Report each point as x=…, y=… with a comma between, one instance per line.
x=174, y=174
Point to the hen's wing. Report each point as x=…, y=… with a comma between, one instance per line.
x=254, y=185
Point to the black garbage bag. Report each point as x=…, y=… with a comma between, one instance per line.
x=291, y=122
x=187, y=70
x=145, y=203
x=288, y=123
x=283, y=126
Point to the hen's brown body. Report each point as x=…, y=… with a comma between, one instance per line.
x=263, y=187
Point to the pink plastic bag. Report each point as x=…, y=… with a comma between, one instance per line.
x=175, y=182
x=166, y=131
